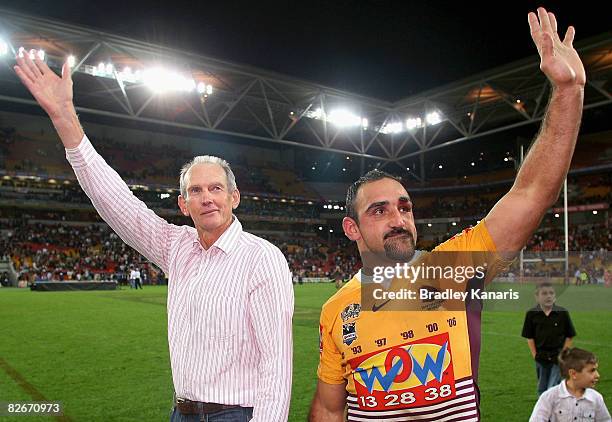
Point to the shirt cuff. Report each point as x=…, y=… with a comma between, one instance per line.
x=81, y=156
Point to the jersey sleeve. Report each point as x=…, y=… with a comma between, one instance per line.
x=478, y=241
x=330, y=368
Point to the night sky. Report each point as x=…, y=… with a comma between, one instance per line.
x=383, y=49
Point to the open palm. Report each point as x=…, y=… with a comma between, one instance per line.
x=558, y=59
x=52, y=92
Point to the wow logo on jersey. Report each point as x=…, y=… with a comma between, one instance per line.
x=421, y=372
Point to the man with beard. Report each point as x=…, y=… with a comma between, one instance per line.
x=378, y=363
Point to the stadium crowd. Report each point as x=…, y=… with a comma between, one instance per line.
x=81, y=251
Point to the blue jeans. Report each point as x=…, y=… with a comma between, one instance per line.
x=238, y=414
x=548, y=374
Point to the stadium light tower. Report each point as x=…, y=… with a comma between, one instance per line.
x=160, y=80
x=344, y=118
x=393, y=127
x=413, y=123
x=433, y=118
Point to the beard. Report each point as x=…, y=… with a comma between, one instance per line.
x=400, y=248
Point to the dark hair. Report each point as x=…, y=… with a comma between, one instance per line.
x=543, y=284
x=575, y=358
x=351, y=193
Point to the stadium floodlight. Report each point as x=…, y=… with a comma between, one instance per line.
x=413, y=123
x=472, y=164
x=201, y=88
x=433, y=118
x=364, y=123
x=594, y=212
x=101, y=67
x=41, y=54
x=428, y=224
x=71, y=60
x=3, y=47
x=126, y=74
x=440, y=166
x=343, y=118
x=160, y=80
x=343, y=168
x=393, y=127
x=315, y=114
x=209, y=89
x=109, y=68
x=331, y=230
x=320, y=228
x=556, y=215
x=21, y=52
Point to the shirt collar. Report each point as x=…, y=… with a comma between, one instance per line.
x=564, y=393
x=554, y=308
x=227, y=241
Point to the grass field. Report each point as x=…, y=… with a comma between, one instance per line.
x=104, y=355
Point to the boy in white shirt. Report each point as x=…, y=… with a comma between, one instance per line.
x=574, y=398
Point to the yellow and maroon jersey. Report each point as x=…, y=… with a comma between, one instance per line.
x=405, y=365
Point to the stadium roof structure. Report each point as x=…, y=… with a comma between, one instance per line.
x=123, y=78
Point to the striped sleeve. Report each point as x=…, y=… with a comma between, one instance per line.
x=271, y=311
x=128, y=216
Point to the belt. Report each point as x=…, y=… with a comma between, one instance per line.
x=188, y=407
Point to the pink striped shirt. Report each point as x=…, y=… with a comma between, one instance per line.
x=229, y=307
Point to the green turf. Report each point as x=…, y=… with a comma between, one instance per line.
x=104, y=355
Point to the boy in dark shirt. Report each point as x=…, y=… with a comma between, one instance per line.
x=548, y=329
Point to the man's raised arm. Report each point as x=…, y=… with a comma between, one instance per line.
x=518, y=214
x=54, y=94
x=127, y=215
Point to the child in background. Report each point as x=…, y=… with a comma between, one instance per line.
x=574, y=398
x=548, y=329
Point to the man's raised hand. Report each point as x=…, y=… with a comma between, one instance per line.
x=558, y=59
x=54, y=94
